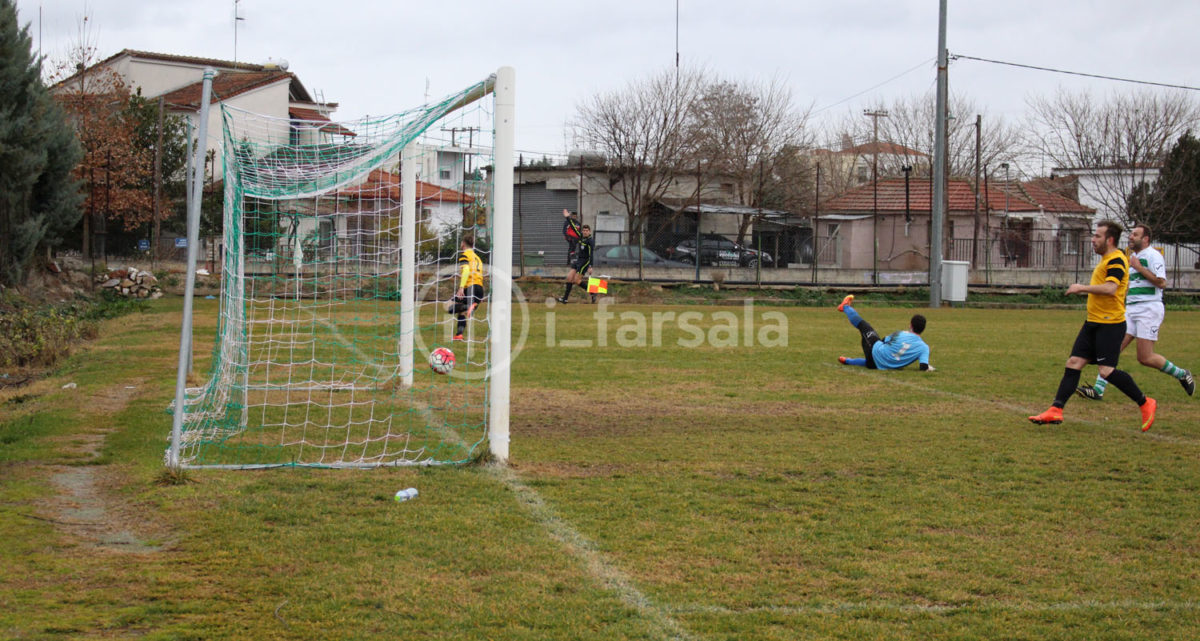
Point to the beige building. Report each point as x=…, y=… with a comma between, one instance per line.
x=884, y=226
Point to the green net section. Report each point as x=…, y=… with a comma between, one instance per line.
x=311, y=364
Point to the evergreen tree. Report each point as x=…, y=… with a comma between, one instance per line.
x=1171, y=206
x=39, y=200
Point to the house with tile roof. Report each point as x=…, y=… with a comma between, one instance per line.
x=377, y=200
x=268, y=89
x=1017, y=225
x=851, y=165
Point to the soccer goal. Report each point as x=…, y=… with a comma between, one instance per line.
x=338, y=264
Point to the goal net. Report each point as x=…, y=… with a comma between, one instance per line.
x=338, y=264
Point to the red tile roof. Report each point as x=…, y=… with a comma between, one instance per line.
x=1021, y=198
x=312, y=115
x=224, y=86
x=191, y=60
x=385, y=184
x=1036, y=191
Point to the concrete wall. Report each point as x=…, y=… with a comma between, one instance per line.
x=802, y=275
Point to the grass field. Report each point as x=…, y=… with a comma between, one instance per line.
x=654, y=492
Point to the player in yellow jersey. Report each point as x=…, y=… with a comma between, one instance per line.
x=470, y=285
x=1099, y=340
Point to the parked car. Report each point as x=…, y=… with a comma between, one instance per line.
x=718, y=250
x=627, y=255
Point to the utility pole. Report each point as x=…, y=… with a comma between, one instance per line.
x=157, y=186
x=875, y=116
x=978, y=146
x=938, y=206
x=816, y=226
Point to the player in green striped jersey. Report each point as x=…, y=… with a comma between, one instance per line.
x=1144, y=313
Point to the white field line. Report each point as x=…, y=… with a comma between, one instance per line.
x=574, y=541
x=1020, y=608
x=1023, y=412
x=585, y=550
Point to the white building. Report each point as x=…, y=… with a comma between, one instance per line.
x=268, y=89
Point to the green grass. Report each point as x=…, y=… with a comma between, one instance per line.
x=662, y=492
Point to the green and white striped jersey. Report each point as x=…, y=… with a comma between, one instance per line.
x=1140, y=289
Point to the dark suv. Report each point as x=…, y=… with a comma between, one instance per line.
x=717, y=250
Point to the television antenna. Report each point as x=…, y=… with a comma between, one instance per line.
x=236, y=19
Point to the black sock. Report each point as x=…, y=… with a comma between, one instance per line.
x=1124, y=382
x=567, y=294
x=1066, y=387
x=462, y=324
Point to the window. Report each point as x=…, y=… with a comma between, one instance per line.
x=444, y=174
x=727, y=188
x=1071, y=240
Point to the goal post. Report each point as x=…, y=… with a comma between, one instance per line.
x=339, y=261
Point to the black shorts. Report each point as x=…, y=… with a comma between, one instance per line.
x=1099, y=343
x=472, y=295
x=869, y=338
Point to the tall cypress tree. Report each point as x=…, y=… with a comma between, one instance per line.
x=39, y=199
x=1171, y=206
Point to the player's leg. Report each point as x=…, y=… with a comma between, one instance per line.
x=1152, y=315
x=566, y=297
x=461, y=324
x=474, y=297
x=1108, y=351
x=868, y=333
x=869, y=338
x=471, y=298
x=1082, y=352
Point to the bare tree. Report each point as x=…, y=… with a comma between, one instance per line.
x=642, y=130
x=741, y=130
x=911, y=123
x=1121, y=140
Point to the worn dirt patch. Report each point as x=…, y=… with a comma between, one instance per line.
x=89, y=510
x=88, y=506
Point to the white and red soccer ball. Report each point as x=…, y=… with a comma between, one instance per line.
x=441, y=360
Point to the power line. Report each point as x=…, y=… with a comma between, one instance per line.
x=849, y=98
x=957, y=56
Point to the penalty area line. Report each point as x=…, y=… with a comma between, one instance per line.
x=585, y=550
x=1010, y=407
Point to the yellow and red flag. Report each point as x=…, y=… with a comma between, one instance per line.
x=597, y=286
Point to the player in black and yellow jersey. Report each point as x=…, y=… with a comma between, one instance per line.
x=470, y=285
x=1099, y=341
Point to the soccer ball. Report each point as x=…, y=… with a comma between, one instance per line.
x=441, y=360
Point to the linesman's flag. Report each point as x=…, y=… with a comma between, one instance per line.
x=597, y=286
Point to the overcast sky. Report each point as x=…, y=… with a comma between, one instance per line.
x=838, y=56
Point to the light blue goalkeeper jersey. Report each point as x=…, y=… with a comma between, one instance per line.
x=900, y=349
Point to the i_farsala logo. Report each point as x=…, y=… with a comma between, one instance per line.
x=689, y=329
